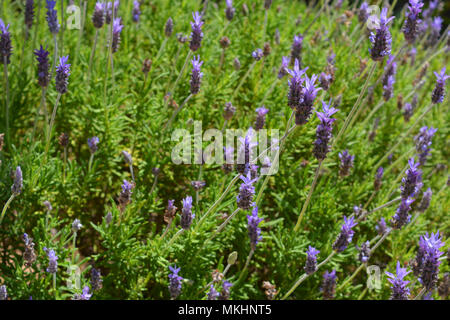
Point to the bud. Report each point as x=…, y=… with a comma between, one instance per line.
x=232, y=258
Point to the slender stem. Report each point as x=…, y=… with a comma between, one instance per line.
x=5, y=207
x=55, y=41
x=161, y=49
x=54, y=284
x=169, y=123
x=305, y=276
x=92, y=54
x=268, y=92
x=74, y=243
x=356, y=105
x=167, y=229
x=154, y=185
x=91, y=160
x=224, y=224
x=175, y=237
x=247, y=262
x=305, y=205
x=244, y=78
x=38, y=15
x=61, y=32
x=132, y=172
x=374, y=110
x=42, y=105
x=52, y=121
x=188, y=56
x=6, y=87
x=64, y=164
x=80, y=34
x=370, y=200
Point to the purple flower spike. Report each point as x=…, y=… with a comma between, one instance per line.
x=346, y=163
x=284, y=67
x=408, y=111
x=304, y=110
x=381, y=39
x=295, y=94
x=3, y=293
x=93, y=144
x=412, y=182
x=5, y=43
x=245, y=152
x=378, y=176
x=212, y=294
x=257, y=54
x=401, y=216
x=85, y=295
x=437, y=96
x=253, y=231
x=52, y=260
x=29, y=13
x=323, y=132
x=125, y=194
x=229, y=11
x=423, y=142
x=346, y=235
x=225, y=293
x=136, y=11
x=196, y=75
x=62, y=75
x=388, y=88
x=196, y=34
x=168, y=28
x=98, y=17
x=412, y=22
x=186, y=213
x=425, y=203
x=17, y=186
x=96, y=279
x=364, y=252
x=325, y=80
x=52, y=17
x=399, y=288
x=430, y=264
x=43, y=66
x=363, y=12
x=311, y=260
x=117, y=29
x=174, y=282
x=436, y=26
x=389, y=70
x=296, y=49
x=246, y=192
x=381, y=227
x=329, y=285
x=260, y=117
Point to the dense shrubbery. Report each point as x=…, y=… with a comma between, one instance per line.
x=95, y=208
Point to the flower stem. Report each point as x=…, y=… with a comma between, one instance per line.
x=92, y=54
x=42, y=105
x=169, y=123
x=188, y=56
x=247, y=262
x=244, y=78
x=6, y=87
x=52, y=121
x=5, y=207
x=308, y=199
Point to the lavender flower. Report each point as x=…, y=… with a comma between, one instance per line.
x=311, y=260
x=117, y=29
x=304, y=109
x=346, y=163
x=96, y=279
x=93, y=144
x=246, y=192
x=329, y=285
x=363, y=12
x=408, y=111
x=412, y=182
x=62, y=75
x=98, y=17
x=245, y=152
x=170, y=212
x=76, y=225
x=136, y=11
x=236, y=64
x=425, y=203
x=381, y=227
x=323, y=132
x=257, y=54
x=224, y=43
x=423, y=142
x=29, y=256
x=229, y=11
x=267, y=4
x=444, y=287
x=52, y=17
x=228, y=111
x=430, y=263
x=364, y=252
x=401, y=216
x=389, y=70
x=400, y=291
x=17, y=186
x=5, y=43
x=168, y=28
x=284, y=67
x=412, y=55
x=109, y=11
x=227, y=166
x=3, y=293
x=196, y=75
x=196, y=34
x=437, y=96
x=260, y=117
x=296, y=49
x=43, y=66
x=85, y=295
x=295, y=94
x=346, y=235
x=388, y=88
x=254, y=232
x=378, y=176
x=212, y=294
x=52, y=260
x=225, y=293
x=127, y=157
x=125, y=194
x=412, y=21
x=174, y=282
x=381, y=39
x=186, y=213
x=29, y=13
x=325, y=80
x=436, y=26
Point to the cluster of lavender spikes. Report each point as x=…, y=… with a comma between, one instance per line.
x=423, y=142
x=426, y=265
x=52, y=260
x=229, y=11
x=329, y=285
x=17, y=186
x=323, y=132
x=346, y=235
x=52, y=17
x=43, y=66
x=98, y=17
x=381, y=39
x=196, y=76
x=437, y=96
x=175, y=282
x=254, y=232
x=117, y=29
x=400, y=291
x=246, y=192
x=260, y=117
x=412, y=21
x=62, y=75
x=346, y=163
x=196, y=34
x=29, y=13
x=136, y=10
x=186, y=213
x=5, y=43
x=311, y=260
